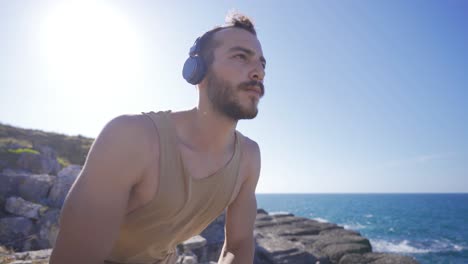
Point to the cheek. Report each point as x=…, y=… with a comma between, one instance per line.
x=234, y=72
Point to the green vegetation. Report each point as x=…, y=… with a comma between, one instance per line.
x=69, y=149
x=23, y=150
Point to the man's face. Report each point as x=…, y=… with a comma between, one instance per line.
x=235, y=79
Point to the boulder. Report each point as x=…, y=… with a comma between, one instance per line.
x=285, y=238
x=34, y=255
x=49, y=162
x=36, y=187
x=194, y=243
x=376, y=258
x=44, y=162
x=20, y=207
x=10, y=181
x=62, y=185
x=279, y=250
x=189, y=260
x=48, y=226
x=15, y=231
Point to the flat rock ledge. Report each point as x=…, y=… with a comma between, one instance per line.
x=280, y=239
x=285, y=238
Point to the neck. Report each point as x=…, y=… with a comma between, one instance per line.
x=207, y=130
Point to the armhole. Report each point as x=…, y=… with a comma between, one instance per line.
x=237, y=183
x=156, y=150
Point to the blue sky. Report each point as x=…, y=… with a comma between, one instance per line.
x=361, y=96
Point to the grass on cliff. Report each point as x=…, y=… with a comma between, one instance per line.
x=69, y=149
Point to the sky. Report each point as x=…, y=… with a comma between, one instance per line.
x=360, y=96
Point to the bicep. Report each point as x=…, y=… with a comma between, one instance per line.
x=241, y=214
x=95, y=206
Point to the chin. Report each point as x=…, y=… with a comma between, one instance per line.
x=250, y=114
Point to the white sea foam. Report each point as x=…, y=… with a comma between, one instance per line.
x=321, y=220
x=369, y=215
x=406, y=247
x=279, y=213
x=458, y=247
x=354, y=226
x=398, y=247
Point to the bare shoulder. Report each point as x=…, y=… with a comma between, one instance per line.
x=131, y=125
x=132, y=134
x=251, y=157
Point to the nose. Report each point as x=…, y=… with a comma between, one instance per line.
x=258, y=72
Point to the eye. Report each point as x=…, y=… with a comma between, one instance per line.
x=240, y=56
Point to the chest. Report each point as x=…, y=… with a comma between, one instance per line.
x=196, y=166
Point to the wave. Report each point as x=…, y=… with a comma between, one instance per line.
x=321, y=220
x=354, y=226
x=406, y=246
x=279, y=213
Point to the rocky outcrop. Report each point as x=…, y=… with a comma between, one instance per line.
x=30, y=207
x=43, y=162
x=285, y=238
x=62, y=185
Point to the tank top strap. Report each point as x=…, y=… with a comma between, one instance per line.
x=161, y=122
x=171, y=170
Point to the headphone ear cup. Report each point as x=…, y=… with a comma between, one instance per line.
x=194, y=70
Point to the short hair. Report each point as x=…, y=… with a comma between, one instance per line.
x=233, y=20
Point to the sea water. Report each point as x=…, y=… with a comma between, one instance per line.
x=433, y=228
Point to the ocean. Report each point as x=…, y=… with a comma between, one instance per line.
x=433, y=228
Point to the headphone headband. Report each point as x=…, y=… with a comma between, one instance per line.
x=195, y=49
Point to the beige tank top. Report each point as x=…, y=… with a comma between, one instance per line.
x=182, y=207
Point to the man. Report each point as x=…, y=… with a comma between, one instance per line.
x=151, y=181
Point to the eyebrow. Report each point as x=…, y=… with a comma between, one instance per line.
x=248, y=51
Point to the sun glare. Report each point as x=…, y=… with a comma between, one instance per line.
x=91, y=48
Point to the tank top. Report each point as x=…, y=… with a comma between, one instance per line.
x=183, y=206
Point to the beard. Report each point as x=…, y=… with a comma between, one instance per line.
x=223, y=97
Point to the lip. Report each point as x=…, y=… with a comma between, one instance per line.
x=255, y=90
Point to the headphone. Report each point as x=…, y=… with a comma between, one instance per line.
x=194, y=67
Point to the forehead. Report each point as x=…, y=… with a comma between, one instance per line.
x=234, y=37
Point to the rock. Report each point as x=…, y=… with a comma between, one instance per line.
x=49, y=162
x=48, y=228
x=285, y=238
x=189, y=260
x=16, y=145
x=15, y=172
x=280, y=250
x=44, y=162
x=214, y=235
x=36, y=187
x=194, y=243
x=15, y=231
x=376, y=258
x=281, y=214
x=62, y=185
x=10, y=181
x=34, y=255
x=19, y=206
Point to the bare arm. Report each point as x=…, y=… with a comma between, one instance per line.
x=241, y=214
x=96, y=204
